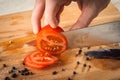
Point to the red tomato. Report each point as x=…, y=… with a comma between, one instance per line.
x=51, y=40
x=39, y=60
x=58, y=29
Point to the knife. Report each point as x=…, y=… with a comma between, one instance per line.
x=93, y=36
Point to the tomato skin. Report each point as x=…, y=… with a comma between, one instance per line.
x=46, y=38
x=29, y=63
x=58, y=29
x=48, y=28
x=56, y=35
x=34, y=60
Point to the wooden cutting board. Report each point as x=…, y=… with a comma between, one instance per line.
x=15, y=31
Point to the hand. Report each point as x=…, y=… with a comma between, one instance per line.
x=53, y=8
x=90, y=9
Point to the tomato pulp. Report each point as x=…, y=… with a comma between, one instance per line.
x=51, y=40
x=38, y=60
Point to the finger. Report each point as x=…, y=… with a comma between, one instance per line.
x=82, y=22
x=85, y=18
x=37, y=15
x=51, y=9
x=59, y=13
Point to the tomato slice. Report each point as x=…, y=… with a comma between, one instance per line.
x=51, y=40
x=39, y=60
x=58, y=29
x=48, y=28
x=29, y=63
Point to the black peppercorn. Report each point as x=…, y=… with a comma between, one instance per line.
x=69, y=78
x=31, y=73
x=54, y=72
x=7, y=78
x=84, y=65
x=26, y=73
x=22, y=74
x=88, y=47
x=14, y=75
x=74, y=72
x=14, y=68
x=87, y=58
x=11, y=71
x=63, y=69
x=78, y=62
x=25, y=70
x=80, y=51
x=23, y=63
x=4, y=65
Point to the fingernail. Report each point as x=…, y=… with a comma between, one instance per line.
x=35, y=31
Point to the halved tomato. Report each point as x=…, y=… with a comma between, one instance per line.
x=51, y=40
x=58, y=29
x=39, y=60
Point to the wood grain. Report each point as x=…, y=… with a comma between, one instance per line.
x=16, y=31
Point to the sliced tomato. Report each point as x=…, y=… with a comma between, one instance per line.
x=39, y=60
x=58, y=29
x=51, y=40
x=48, y=28
x=29, y=63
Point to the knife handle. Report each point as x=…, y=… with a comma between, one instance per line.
x=104, y=54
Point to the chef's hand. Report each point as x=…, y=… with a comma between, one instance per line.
x=90, y=9
x=53, y=8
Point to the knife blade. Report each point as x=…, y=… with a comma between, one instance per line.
x=93, y=36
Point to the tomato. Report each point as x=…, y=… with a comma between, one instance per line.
x=48, y=27
x=51, y=40
x=39, y=60
x=58, y=29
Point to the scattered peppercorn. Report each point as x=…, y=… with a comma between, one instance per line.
x=23, y=63
x=87, y=58
x=84, y=65
x=14, y=68
x=88, y=47
x=11, y=71
x=89, y=66
x=74, y=72
x=69, y=78
x=19, y=71
x=25, y=72
x=4, y=65
x=78, y=62
x=80, y=51
x=54, y=72
x=14, y=75
x=63, y=69
x=31, y=73
x=7, y=78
